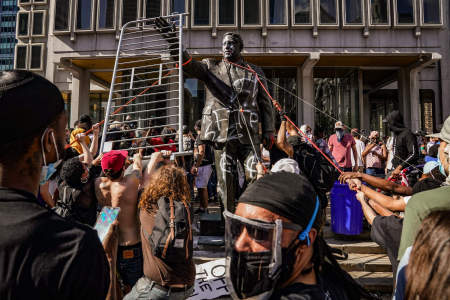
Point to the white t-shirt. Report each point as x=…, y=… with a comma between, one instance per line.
x=359, y=149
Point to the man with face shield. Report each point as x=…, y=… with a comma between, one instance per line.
x=42, y=255
x=273, y=247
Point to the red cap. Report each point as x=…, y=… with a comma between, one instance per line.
x=114, y=160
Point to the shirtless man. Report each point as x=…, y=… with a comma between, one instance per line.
x=117, y=190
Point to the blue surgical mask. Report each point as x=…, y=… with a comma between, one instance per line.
x=48, y=170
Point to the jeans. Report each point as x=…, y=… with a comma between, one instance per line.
x=149, y=290
x=130, y=263
x=377, y=172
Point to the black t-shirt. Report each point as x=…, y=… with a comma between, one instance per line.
x=328, y=287
x=43, y=256
x=208, y=158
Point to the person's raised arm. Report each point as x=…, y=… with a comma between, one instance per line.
x=155, y=159
x=367, y=150
x=86, y=156
x=94, y=145
x=281, y=140
x=377, y=182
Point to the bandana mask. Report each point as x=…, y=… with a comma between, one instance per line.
x=255, y=275
x=48, y=170
x=339, y=135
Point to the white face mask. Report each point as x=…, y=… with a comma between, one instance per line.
x=339, y=134
x=48, y=170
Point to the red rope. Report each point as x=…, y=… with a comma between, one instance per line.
x=278, y=107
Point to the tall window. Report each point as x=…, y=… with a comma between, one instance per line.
x=379, y=12
x=431, y=11
x=251, y=12
x=405, y=12
x=353, y=12
x=38, y=22
x=277, y=12
x=328, y=12
x=36, y=57
x=227, y=11
x=152, y=8
x=129, y=11
x=62, y=13
x=302, y=12
x=178, y=6
x=106, y=14
x=201, y=12
x=84, y=14
x=23, y=22
x=21, y=56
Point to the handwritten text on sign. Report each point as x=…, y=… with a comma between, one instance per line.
x=210, y=280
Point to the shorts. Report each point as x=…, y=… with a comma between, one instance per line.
x=148, y=289
x=202, y=178
x=130, y=263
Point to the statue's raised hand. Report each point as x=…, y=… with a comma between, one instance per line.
x=167, y=30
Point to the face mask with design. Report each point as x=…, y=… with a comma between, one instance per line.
x=48, y=170
x=339, y=135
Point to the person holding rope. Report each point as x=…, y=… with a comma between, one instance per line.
x=235, y=105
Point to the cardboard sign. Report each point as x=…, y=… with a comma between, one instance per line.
x=210, y=280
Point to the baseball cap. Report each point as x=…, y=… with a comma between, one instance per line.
x=338, y=125
x=445, y=132
x=114, y=160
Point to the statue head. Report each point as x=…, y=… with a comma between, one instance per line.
x=232, y=46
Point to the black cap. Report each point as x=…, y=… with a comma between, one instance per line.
x=29, y=103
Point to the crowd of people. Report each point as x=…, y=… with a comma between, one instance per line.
x=54, y=182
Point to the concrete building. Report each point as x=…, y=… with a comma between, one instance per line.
x=354, y=60
x=8, y=11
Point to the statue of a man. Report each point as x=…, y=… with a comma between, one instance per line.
x=235, y=106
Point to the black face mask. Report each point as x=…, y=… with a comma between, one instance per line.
x=288, y=258
x=249, y=273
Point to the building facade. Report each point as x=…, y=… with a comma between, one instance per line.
x=353, y=60
x=8, y=11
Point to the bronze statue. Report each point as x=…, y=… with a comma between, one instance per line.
x=235, y=106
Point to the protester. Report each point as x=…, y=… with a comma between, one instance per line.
x=375, y=155
x=202, y=168
x=342, y=145
x=360, y=146
x=405, y=147
x=166, y=234
x=42, y=255
x=427, y=275
x=165, y=142
x=273, y=247
x=117, y=190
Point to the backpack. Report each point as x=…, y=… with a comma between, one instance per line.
x=172, y=232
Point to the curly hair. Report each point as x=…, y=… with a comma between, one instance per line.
x=170, y=181
x=71, y=172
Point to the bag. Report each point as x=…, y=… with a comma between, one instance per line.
x=172, y=232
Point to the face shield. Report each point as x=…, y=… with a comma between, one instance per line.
x=253, y=255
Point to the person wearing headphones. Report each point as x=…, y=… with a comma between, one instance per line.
x=273, y=248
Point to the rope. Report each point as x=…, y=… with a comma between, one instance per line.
x=278, y=107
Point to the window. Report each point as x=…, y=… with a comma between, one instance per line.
x=251, y=12
x=62, y=14
x=431, y=12
x=36, y=57
x=40, y=1
x=201, y=12
x=129, y=11
x=277, y=12
x=152, y=8
x=38, y=23
x=21, y=56
x=353, y=12
x=106, y=14
x=302, y=12
x=24, y=1
x=23, y=23
x=227, y=12
x=379, y=12
x=405, y=12
x=328, y=14
x=84, y=14
x=177, y=6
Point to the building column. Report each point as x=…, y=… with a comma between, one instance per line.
x=364, y=109
x=306, y=88
x=80, y=95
